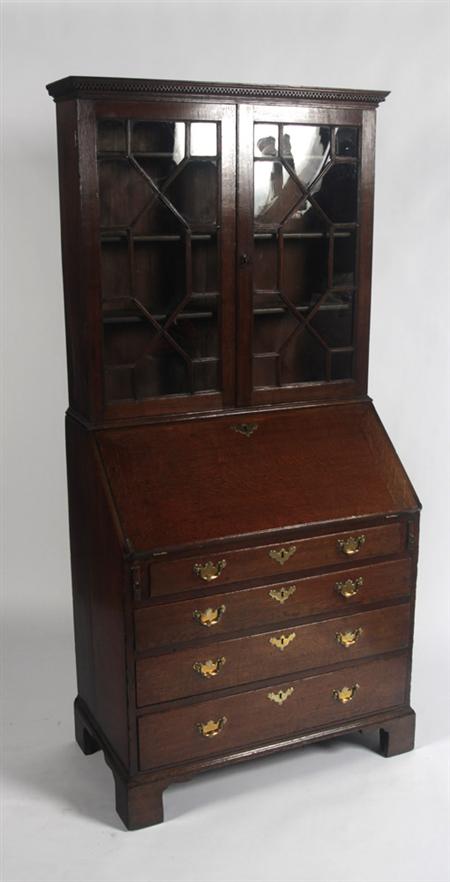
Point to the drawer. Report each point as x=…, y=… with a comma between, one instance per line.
x=181, y=621
x=231, y=663
x=274, y=560
x=223, y=724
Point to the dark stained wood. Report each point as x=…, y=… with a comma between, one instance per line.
x=98, y=591
x=163, y=624
x=398, y=736
x=159, y=479
x=212, y=482
x=248, y=659
x=172, y=736
x=172, y=576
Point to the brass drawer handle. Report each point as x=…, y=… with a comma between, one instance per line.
x=282, y=555
x=350, y=587
x=211, y=728
x=246, y=429
x=282, y=594
x=209, y=668
x=283, y=641
x=281, y=696
x=209, y=571
x=348, y=638
x=209, y=617
x=351, y=545
x=345, y=694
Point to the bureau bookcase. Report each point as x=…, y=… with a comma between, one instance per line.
x=243, y=535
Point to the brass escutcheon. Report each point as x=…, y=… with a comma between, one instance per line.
x=283, y=641
x=283, y=554
x=211, y=728
x=348, y=638
x=209, y=617
x=281, y=696
x=209, y=571
x=209, y=668
x=282, y=594
x=350, y=587
x=351, y=545
x=345, y=694
x=246, y=429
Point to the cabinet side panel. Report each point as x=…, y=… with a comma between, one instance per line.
x=98, y=575
x=76, y=152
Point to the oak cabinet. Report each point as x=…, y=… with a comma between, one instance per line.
x=243, y=536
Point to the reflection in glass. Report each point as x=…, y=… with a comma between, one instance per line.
x=346, y=141
x=338, y=193
x=266, y=140
x=167, y=138
x=270, y=182
x=203, y=139
x=306, y=149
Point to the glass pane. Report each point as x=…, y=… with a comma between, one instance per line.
x=265, y=262
x=193, y=193
x=334, y=319
x=305, y=269
x=168, y=138
x=266, y=140
x=306, y=149
x=346, y=141
x=203, y=139
x=344, y=258
x=337, y=193
x=275, y=193
x=159, y=217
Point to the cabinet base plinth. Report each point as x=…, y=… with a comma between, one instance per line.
x=397, y=735
x=139, y=798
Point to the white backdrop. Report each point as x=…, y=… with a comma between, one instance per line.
x=391, y=822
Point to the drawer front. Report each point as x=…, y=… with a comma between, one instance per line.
x=230, y=663
x=219, y=614
x=274, y=560
x=220, y=725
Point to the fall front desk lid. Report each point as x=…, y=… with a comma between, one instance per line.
x=190, y=481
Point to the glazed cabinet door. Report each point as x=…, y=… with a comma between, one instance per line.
x=305, y=190
x=163, y=227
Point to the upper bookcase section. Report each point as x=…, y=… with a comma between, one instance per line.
x=93, y=87
x=217, y=244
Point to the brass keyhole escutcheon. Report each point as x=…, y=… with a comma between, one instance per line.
x=283, y=554
x=280, y=696
x=282, y=594
x=245, y=429
x=283, y=641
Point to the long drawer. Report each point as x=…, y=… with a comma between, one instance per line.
x=163, y=624
x=223, y=724
x=275, y=560
x=229, y=663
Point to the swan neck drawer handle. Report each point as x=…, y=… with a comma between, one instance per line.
x=209, y=668
x=350, y=587
x=209, y=617
x=348, y=638
x=209, y=571
x=345, y=694
x=211, y=728
x=351, y=545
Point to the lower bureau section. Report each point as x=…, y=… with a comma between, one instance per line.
x=220, y=725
